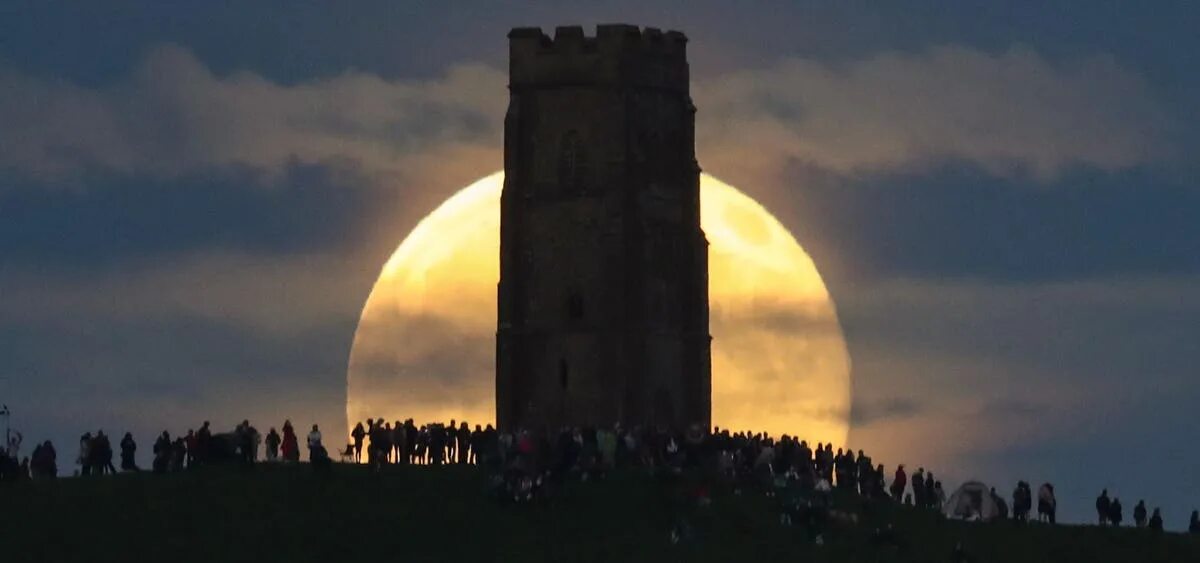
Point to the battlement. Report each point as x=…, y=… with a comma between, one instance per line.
x=618, y=54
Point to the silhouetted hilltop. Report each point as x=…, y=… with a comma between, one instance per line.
x=292, y=514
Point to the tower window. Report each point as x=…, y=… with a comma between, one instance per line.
x=575, y=307
x=562, y=373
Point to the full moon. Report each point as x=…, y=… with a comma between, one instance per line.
x=425, y=344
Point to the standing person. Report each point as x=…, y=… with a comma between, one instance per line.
x=918, y=487
x=273, y=441
x=1047, y=504
x=51, y=461
x=128, y=452
x=291, y=445
x=162, y=453
x=1139, y=514
x=1156, y=522
x=399, y=437
x=85, y=454
x=315, y=449
x=1022, y=501
x=104, y=453
x=1103, y=507
x=1194, y=524
x=939, y=496
x=463, y=437
x=448, y=441
x=190, y=446
x=203, y=443
x=357, y=435
x=1114, y=512
x=899, y=483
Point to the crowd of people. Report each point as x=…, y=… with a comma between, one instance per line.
x=524, y=465
x=1109, y=513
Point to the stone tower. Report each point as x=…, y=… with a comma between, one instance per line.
x=603, y=296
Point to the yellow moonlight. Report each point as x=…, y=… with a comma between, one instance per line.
x=425, y=343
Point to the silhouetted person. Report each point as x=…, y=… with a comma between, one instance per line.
x=85, y=454
x=899, y=483
x=1001, y=505
x=247, y=438
x=315, y=448
x=191, y=446
x=1103, y=507
x=1114, y=512
x=162, y=453
x=1047, y=504
x=179, y=453
x=1194, y=524
x=203, y=443
x=399, y=440
x=45, y=461
x=291, y=444
x=104, y=453
x=358, y=435
x=128, y=453
x=1022, y=501
x=1156, y=522
x=273, y=441
x=463, y=439
x=1139, y=514
x=918, y=487
x=381, y=443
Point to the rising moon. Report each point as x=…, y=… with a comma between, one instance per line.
x=425, y=343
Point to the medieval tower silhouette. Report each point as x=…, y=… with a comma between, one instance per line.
x=603, y=295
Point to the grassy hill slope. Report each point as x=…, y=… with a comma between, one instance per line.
x=419, y=514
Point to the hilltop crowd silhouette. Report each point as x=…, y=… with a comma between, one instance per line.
x=524, y=465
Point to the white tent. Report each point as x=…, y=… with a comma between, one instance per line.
x=972, y=501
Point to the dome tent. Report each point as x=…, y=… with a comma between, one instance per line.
x=972, y=501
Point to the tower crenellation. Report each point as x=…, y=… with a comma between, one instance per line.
x=618, y=54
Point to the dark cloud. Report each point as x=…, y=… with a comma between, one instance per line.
x=122, y=221
x=963, y=223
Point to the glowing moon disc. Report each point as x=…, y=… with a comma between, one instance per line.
x=425, y=343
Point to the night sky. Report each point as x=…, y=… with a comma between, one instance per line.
x=1003, y=198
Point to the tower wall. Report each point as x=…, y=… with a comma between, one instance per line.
x=603, y=294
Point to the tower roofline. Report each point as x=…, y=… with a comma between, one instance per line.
x=617, y=54
x=571, y=36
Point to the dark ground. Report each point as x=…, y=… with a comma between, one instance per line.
x=291, y=514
